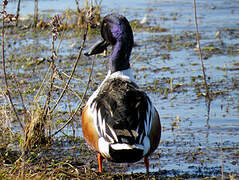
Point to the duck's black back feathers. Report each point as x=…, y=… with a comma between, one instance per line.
x=124, y=108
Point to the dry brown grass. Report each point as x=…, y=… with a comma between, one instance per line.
x=37, y=121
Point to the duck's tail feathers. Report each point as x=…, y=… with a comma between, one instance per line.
x=122, y=152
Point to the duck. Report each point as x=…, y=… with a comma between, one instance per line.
x=119, y=121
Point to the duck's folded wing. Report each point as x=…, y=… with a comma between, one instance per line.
x=123, y=116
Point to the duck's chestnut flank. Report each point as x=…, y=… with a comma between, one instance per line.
x=119, y=120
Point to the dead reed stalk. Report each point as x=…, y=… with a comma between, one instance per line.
x=79, y=105
x=25, y=112
x=72, y=72
x=8, y=17
x=77, y=6
x=68, y=82
x=89, y=18
x=200, y=50
x=55, y=24
x=35, y=19
x=35, y=131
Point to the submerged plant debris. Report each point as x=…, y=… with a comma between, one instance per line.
x=199, y=138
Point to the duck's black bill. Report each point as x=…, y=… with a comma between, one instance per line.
x=97, y=48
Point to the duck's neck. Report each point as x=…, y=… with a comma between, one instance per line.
x=119, y=59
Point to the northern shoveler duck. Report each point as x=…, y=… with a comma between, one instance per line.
x=119, y=120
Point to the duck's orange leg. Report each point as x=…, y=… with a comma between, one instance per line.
x=100, y=159
x=146, y=163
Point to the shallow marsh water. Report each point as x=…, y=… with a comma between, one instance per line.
x=198, y=137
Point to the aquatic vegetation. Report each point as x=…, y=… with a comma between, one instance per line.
x=166, y=61
x=138, y=26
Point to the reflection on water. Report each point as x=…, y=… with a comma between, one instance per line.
x=208, y=102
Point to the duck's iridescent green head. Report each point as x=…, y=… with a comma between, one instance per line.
x=115, y=31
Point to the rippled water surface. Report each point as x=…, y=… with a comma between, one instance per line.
x=198, y=136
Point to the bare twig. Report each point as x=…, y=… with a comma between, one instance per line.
x=69, y=89
x=72, y=72
x=200, y=51
x=20, y=94
x=8, y=94
x=55, y=23
x=79, y=105
x=70, y=112
x=41, y=88
x=78, y=79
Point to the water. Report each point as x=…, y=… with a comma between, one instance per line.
x=193, y=130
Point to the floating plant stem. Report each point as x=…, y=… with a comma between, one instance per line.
x=199, y=48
